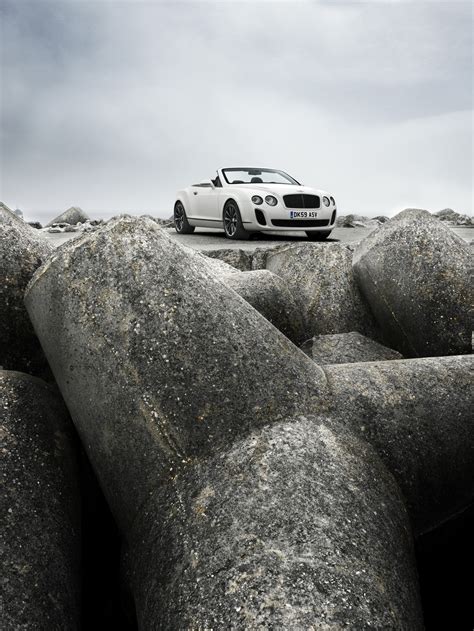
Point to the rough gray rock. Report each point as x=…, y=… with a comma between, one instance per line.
x=296, y=526
x=417, y=414
x=127, y=296
x=417, y=276
x=72, y=216
x=185, y=376
x=240, y=259
x=40, y=538
x=359, y=221
x=452, y=218
x=344, y=348
x=321, y=279
x=269, y=295
x=22, y=250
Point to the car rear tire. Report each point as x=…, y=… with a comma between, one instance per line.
x=181, y=223
x=318, y=236
x=233, y=226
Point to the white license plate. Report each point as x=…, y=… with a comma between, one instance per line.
x=303, y=214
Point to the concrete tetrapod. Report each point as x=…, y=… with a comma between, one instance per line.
x=22, y=251
x=168, y=375
x=417, y=413
x=268, y=293
x=321, y=279
x=346, y=348
x=417, y=277
x=40, y=530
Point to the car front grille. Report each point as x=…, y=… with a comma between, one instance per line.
x=300, y=200
x=300, y=223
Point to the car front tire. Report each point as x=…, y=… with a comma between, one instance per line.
x=318, y=236
x=181, y=223
x=233, y=226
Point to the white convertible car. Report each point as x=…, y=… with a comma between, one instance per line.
x=242, y=200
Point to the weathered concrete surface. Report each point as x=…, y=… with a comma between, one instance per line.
x=167, y=374
x=179, y=364
x=240, y=259
x=417, y=414
x=268, y=293
x=297, y=526
x=346, y=348
x=417, y=276
x=22, y=251
x=321, y=279
x=40, y=539
x=72, y=216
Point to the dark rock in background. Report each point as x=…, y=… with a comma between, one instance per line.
x=35, y=224
x=417, y=276
x=321, y=279
x=40, y=545
x=346, y=348
x=417, y=414
x=72, y=216
x=22, y=251
x=452, y=218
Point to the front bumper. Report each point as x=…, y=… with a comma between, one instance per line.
x=281, y=219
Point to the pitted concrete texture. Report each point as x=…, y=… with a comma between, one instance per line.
x=346, y=348
x=40, y=533
x=417, y=276
x=22, y=251
x=320, y=277
x=417, y=413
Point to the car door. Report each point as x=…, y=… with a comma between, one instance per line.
x=205, y=205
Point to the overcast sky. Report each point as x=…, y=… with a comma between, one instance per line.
x=113, y=105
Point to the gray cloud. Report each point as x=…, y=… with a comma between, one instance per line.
x=114, y=106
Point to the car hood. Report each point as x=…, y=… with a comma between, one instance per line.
x=279, y=189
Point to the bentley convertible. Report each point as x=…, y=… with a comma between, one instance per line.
x=242, y=200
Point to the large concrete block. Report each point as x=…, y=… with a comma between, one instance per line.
x=296, y=526
x=321, y=279
x=22, y=251
x=417, y=276
x=346, y=348
x=268, y=293
x=150, y=333
x=418, y=414
x=40, y=538
x=171, y=379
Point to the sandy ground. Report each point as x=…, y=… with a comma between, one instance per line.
x=204, y=239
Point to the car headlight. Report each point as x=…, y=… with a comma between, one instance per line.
x=257, y=200
x=271, y=201
x=333, y=202
x=326, y=201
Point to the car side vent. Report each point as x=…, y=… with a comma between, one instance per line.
x=333, y=217
x=260, y=217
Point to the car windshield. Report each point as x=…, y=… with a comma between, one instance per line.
x=243, y=175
